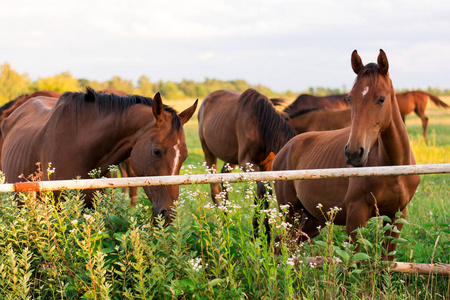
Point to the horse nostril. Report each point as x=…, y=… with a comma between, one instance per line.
x=361, y=152
x=346, y=150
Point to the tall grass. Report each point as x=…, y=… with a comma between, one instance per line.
x=58, y=249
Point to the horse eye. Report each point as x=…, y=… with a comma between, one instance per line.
x=349, y=99
x=381, y=99
x=157, y=152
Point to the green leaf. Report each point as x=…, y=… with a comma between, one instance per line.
x=398, y=214
x=360, y=256
x=399, y=241
x=387, y=219
x=343, y=254
x=321, y=243
x=119, y=221
x=446, y=231
x=216, y=281
x=401, y=221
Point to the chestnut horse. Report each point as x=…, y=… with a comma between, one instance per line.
x=377, y=137
x=8, y=108
x=417, y=101
x=317, y=119
x=80, y=132
x=305, y=101
x=241, y=129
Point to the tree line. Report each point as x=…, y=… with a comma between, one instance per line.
x=13, y=84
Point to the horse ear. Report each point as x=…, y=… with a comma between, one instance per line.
x=382, y=62
x=357, y=64
x=187, y=113
x=158, y=108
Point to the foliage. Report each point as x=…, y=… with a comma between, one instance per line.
x=61, y=83
x=12, y=84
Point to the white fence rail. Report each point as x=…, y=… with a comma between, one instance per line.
x=227, y=177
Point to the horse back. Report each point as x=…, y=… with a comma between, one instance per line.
x=217, y=124
x=22, y=135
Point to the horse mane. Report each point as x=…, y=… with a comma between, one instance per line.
x=272, y=126
x=111, y=103
x=304, y=111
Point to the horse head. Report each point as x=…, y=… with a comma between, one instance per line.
x=160, y=150
x=371, y=99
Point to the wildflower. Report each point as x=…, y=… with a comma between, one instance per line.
x=290, y=261
x=319, y=206
x=89, y=218
x=74, y=222
x=196, y=264
x=113, y=168
x=284, y=208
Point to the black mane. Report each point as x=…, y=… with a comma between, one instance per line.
x=273, y=128
x=112, y=103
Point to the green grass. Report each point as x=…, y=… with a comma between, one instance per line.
x=64, y=251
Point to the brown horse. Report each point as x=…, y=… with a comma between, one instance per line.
x=417, y=101
x=85, y=131
x=377, y=137
x=241, y=129
x=316, y=119
x=305, y=101
x=8, y=108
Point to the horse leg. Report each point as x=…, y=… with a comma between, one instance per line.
x=388, y=246
x=421, y=114
x=132, y=190
x=211, y=163
x=358, y=213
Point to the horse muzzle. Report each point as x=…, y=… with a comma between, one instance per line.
x=357, y=157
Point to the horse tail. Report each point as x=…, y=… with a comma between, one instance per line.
x=437, y=101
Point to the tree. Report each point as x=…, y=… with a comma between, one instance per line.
x=61, y=83
x=145, y=87
x=120, y=84
x=12, y=85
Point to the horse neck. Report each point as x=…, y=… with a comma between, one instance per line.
x=114, y=137
x=393, y=142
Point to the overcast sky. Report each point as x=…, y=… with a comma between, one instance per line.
x=292, y=44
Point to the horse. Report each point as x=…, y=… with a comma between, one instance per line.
x=316, y=119
x=306, y=101
x=241, y=129
x=8, y=108
x=80, y=132
x=377, y=137
x=417, y=101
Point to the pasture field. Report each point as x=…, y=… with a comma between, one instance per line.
x=64, y=251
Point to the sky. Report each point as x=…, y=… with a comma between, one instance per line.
x=283, y=44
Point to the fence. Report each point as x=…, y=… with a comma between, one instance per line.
x=440, y=269
x=227, y=177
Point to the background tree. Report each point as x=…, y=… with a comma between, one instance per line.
x=61, y=83
x=145, y=87
x=12, y=85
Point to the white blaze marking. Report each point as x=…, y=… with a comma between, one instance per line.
x=366, y=90
x=177, y=157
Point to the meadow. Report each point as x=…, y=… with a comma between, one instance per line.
x=61, y=250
